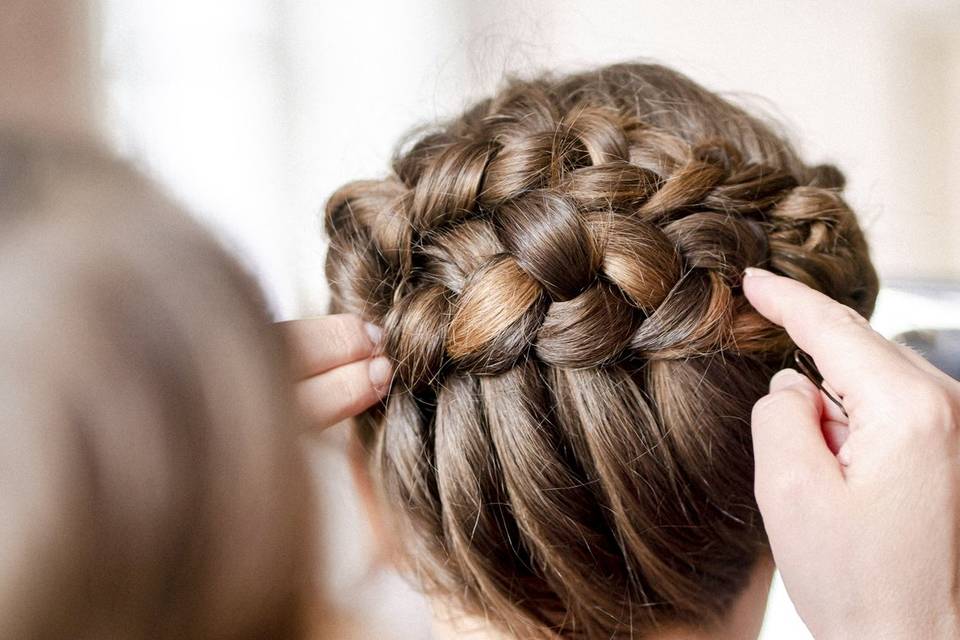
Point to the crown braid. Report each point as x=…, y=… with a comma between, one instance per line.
x=583, y=238
x=560, y=260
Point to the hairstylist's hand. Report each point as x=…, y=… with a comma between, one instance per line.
x=867, y=541
x=338, y=370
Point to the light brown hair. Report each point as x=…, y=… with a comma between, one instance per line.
x=150, y=479
x=567, y=443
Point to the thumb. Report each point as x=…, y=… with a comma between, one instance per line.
x=794, y=465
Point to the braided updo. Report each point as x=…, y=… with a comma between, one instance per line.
x=566, y=445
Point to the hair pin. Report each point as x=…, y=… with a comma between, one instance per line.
x=809, y=368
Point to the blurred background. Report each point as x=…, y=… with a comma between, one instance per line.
x=253, y=111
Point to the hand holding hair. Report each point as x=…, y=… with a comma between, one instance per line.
x=867, y=540
x=337, y=367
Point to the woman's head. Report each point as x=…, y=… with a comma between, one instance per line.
x=151, y=484
x=567, y=441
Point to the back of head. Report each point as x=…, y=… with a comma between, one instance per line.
x=151, y=484
x=558, y=273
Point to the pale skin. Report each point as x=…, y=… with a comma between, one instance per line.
x=863, y=512
x=337, y=366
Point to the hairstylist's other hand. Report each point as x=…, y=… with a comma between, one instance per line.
x=337, y=367
x=867, y=541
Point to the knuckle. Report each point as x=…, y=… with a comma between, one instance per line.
x=934, y=407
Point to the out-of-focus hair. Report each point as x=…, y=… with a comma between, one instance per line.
x=566, y=446
x=150, y=480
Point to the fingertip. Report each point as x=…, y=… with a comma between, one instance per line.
x=345, y=391
x=836, y=434
x=375, y=334
x=785, y=378
x=796, y=401
x=843, y=454
x=756, y=288
x=380, y=372
x=756, y=272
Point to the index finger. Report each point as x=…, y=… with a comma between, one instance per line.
x=325, y=342
x=848, y=352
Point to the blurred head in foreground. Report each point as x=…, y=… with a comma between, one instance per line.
x=566, y=447
x=150, y=481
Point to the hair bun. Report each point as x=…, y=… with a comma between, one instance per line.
x=554, y=271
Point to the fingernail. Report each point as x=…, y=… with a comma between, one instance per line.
x=756, y=272
x=374, y=332
x=784, y=378
x=380, y=373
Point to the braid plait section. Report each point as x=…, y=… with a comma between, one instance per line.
x=558, y=276
x=525, y=235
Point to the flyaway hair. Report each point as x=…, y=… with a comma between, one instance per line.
x=566, y=446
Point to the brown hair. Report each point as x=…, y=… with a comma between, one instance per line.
x=558, y=272
x=152, y=484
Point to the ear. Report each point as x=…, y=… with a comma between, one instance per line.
x=386, y=547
